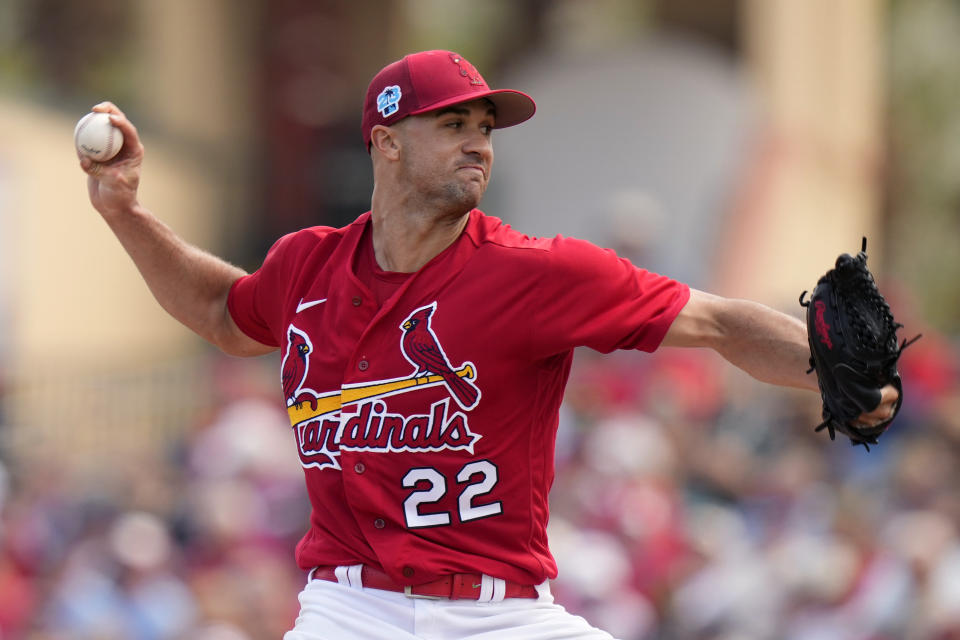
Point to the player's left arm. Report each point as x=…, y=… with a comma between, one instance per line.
x=769, y=345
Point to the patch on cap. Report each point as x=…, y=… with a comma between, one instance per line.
x=388, y=102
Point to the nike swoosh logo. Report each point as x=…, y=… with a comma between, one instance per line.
x=306, y=305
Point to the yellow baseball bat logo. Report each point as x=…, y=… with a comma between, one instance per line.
x=331, y=402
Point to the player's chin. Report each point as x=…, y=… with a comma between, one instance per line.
x=477, y=186
x=466, y=195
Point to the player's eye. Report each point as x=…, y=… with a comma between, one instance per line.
x=487, y=129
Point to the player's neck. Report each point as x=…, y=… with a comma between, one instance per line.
x=405, y=242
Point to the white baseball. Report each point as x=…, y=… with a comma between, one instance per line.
x=96, y=138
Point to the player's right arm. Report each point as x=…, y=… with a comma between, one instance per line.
x=189, y=283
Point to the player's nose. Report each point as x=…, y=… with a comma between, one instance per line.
x=479, y=145
x=478, y=139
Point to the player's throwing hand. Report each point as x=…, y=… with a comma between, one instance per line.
x=112, y=185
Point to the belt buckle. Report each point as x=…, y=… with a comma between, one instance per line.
x=408, y=591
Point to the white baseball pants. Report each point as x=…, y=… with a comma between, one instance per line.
x=347, y=611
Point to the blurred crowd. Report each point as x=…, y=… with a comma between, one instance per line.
x=690, y=503
x=193, y=543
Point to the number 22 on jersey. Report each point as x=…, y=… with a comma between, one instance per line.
x=477, y=480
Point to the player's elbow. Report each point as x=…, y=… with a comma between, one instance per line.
x=243, y=346
x=700, y=323
x=229, y=338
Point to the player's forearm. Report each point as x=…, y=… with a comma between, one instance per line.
x=189, y=283
x=769, y=345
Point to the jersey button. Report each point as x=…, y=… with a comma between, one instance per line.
x=359, y=467
x=356, y=301
x=407, y=572
x=363, y=365
x=379, y=523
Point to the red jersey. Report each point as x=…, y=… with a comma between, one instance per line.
x=426, y=422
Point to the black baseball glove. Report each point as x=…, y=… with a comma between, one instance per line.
x=853, y=347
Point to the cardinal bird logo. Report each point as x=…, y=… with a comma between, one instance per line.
x=422, y=349
x=294, y=370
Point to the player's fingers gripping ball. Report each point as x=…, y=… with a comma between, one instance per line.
x=96, y=137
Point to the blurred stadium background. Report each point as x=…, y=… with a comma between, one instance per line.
x=148, y=486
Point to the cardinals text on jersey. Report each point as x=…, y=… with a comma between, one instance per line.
x=355, y=418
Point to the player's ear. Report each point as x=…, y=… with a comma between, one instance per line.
x=385, y=140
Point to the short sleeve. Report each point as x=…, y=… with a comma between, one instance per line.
x=591, y=297
x=256, y=300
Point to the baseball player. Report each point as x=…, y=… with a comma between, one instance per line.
x=425, y=348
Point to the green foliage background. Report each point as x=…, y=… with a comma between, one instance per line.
x=924, y=181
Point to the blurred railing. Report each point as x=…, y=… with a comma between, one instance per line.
x=84, y=418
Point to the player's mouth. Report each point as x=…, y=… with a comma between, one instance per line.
x=474, y=167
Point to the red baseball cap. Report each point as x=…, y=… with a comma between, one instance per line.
x=430, y=80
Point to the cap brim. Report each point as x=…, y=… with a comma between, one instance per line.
x=513, y=107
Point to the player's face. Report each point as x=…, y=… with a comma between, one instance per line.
x=448, y=154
